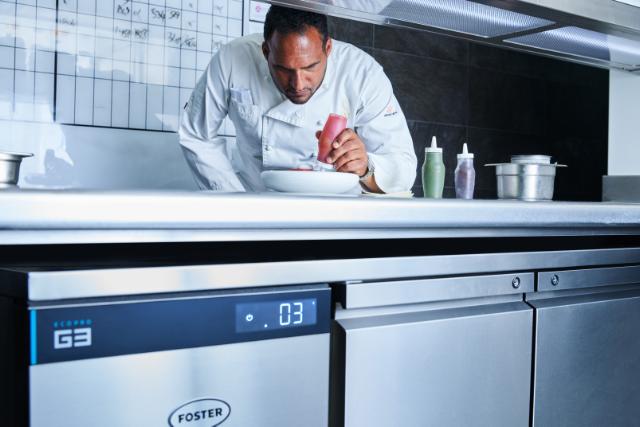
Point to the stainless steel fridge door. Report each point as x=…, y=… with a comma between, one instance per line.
x=269, y=383
x=587, y=360
x=468, y=366
x=256, y=357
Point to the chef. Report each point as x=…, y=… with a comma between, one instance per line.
x=278, y=89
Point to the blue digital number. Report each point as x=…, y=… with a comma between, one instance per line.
x=285, y=314
x=298, y=307
x=289, y=310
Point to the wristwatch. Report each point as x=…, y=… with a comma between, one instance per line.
x=369, y=173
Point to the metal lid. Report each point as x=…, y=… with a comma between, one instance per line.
x=8, y=155
x=531, y=159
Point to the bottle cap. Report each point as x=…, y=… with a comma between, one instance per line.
x=465, y=153
x=434, y=147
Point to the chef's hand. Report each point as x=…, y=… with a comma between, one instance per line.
x=348, y=153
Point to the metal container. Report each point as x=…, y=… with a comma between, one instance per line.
x=10, y=168
x=527, y=177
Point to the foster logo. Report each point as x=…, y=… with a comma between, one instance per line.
x=200, y=413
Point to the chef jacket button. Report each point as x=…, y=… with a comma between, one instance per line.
x=267, y=148
x=319, y=122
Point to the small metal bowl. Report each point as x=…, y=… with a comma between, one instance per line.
x=10, y=168
x=525, y=181
x=529, y=178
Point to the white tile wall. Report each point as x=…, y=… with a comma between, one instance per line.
x=113, y=44
x=118, y=68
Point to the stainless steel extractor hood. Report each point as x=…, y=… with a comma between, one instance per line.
x=604, y=33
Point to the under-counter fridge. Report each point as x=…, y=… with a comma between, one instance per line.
x=140, y=347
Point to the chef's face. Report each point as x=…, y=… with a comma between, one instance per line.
x=297, y=62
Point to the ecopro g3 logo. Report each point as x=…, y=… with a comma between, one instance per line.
x=71, y=334
x=200, y=413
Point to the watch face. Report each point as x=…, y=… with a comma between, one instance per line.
x=369, y=171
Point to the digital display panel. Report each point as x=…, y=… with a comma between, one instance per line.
x=270, y=315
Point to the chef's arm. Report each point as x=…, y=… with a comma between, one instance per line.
x=383, y=128
x=203, y=149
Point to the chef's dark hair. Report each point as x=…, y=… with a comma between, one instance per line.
x=287, y=21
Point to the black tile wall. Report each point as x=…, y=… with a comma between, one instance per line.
x=354, y=32
x=427, y=88
x=576, y=110
x=507, y=102
x=421, y=43
x=500, y=101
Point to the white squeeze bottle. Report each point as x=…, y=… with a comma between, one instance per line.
x=465, y=175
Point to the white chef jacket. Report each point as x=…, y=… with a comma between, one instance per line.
x=274, y=133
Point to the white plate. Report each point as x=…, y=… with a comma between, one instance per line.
x=309, y=181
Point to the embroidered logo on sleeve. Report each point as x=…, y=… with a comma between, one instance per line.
x=391, y=110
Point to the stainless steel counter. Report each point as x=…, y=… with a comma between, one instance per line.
x=45, y=217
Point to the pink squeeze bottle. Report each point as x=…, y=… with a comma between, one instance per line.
x=332, y=128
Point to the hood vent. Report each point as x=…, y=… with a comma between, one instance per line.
x=581, y=43
x=603, y=33
x=462, y=16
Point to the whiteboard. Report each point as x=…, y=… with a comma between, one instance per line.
x=109, y=63
x=94, y=88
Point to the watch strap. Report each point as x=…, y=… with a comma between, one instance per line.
x=369, y=173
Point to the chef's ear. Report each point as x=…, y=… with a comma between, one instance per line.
x=327, y=47
x=265, y=50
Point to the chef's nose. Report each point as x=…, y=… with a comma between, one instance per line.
x=296, y=82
